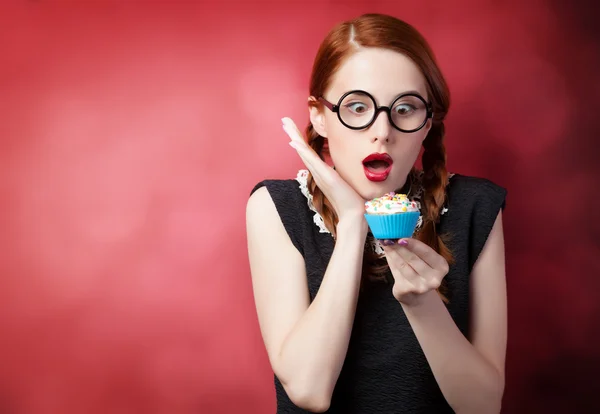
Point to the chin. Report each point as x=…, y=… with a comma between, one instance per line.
x=374, y=190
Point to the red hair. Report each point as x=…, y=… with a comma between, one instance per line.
x=382, y=31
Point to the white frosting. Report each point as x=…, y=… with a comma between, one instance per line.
x=391, y=203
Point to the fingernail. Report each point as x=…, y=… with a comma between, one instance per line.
x=403, y=242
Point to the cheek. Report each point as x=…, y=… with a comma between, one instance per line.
x=407, y=148
x=416, y=141
x=345, y=145
x=338, y=152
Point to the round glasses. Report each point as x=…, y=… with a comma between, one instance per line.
x=357, y=110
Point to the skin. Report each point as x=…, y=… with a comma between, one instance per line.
x=295, y=331
x=350, y=147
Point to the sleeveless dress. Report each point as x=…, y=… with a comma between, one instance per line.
x=385, y=370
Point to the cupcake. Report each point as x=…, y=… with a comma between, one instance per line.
x=392, y=216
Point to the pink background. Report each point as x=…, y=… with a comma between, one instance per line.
x=132, y=133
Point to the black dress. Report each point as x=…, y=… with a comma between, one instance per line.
x=385, y=370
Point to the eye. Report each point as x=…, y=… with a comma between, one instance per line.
x=357, y=107
x=404, y=109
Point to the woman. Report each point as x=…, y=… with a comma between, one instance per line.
x=356, y=325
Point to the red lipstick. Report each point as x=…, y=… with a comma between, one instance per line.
x=377, y=166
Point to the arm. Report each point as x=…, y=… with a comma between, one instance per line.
x=306, y=342
x=470, y=374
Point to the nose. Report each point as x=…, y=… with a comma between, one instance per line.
x=381, y=128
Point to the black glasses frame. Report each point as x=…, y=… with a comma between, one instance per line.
x=387, y=109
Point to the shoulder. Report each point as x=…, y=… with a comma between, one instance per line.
x=271, y=185
x=472, y=187
x=282, y=194
x=291, y=196
x=276, y=202
x=477, y=192
x=293, y=188
x=474, y=204
x=286, y=194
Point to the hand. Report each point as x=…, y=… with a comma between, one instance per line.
x=416, y=267
x=345, y=201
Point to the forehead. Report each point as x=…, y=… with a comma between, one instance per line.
x=383, y=73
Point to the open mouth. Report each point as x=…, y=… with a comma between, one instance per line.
x=377, y=166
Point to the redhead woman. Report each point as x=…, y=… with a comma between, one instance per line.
x=352, y=324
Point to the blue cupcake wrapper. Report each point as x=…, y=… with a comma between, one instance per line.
x=393, y=226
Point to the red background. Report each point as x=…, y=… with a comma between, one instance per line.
x=132, y=132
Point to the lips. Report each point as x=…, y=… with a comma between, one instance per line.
x=377, y=166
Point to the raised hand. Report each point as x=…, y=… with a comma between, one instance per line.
x=343, y=198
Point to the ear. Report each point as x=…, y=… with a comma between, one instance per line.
x=317, y=116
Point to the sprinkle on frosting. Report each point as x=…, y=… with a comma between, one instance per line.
x=390, y=203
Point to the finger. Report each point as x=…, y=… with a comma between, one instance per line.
x=316, y=166
x=426, y=253
x=431, y=276
x=416, y=262
x=305, y=155
x=387, y=242
x=292, y=130
x=399, y=265
x=311, y=159
x=297, y=140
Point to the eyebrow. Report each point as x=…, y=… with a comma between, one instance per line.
x=412, y=91
x=407, y=92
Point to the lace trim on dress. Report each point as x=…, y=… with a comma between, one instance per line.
x=413, y=193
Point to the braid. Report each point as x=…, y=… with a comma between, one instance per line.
x=435, y=180
x=320, y=202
